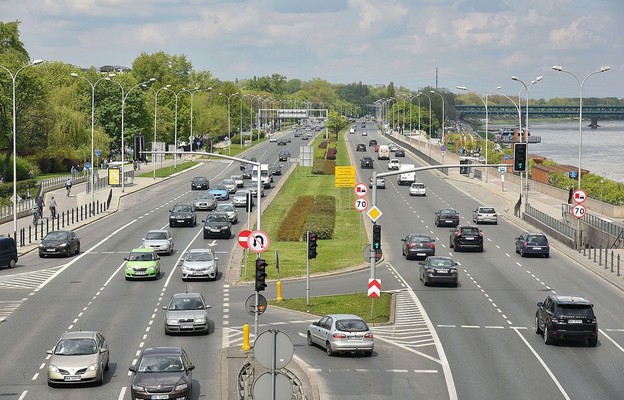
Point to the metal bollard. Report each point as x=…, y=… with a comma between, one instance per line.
x=611, y=260
x=595, y=255
x=600, y=258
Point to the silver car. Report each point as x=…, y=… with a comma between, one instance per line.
x=240, y=198
x=160, y=240
x=205, y=202
x=230, y=210
x=485, y=215
x=340, y=333
x=187, y=313
x=253, y=188
x=238, y=179
x=200, y=263
x=78, y=357
x=230, y=185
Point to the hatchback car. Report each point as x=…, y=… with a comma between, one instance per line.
x=240, y=198
x=162, y=373
x=466, y=237
x=238, y=179
x=200, y=264
x=394, y=164
x=78, y=357
x=530, y=243
x=563, y=317
x=446, y=217
x=438, y=269
x=142, y=263
x=230, y=185
x=220, y=192
x=283, y=155
x=485, y=214
x=360, y=147
x=182, y=214
x=381, y=182
x=418, y=189
x=366, y=162
x=372, y=143
x=275, y=169
x=418, y=245
x=59, y=243
x=160, y=240
x=205, y=202
x=393, y=147
x=229, y=210
x=341, y=333
x=186, y=313
x=217, y=224
x=200, y=183
x=399, y=153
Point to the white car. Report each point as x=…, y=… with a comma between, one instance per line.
x=485, y=214
x=200, y=263
x=238, y=179
x=364, y=133
x=160, y=240
x=418, y=189
x=394, y=164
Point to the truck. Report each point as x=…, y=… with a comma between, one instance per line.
x=406, y=178
x=266, y=177
x=384, y=152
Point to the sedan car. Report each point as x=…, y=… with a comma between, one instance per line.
x=229, y=210
x=200, y=183
x=230, y=185
x=241, y=197
x=275, y=169
x=399, y=153
x=78, y=357
x=366, y=162
x=360, y=147
x=142, y=263
x=205, y=202
x=59, y=243
x=393, y=147
x=446, y=217
x=160, y=240
x=372, y=143
x=565, y=317
x=418, y=189
x=418, y=245
x=238, y=179
x=253, y=188
x=484, y=214
x=283, y=155
x=247, y=171
x=200, y=264
x=466, y=237
x=532, y=243
x=282, y=142
x=394, y=164
x=182, y=214
x=186, y=313
x=162, y=373
x=381, y=182
x=341, y=333
x=217, y=224
x=220, y=192
x=438, y=269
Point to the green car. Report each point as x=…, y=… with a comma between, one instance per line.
x=142, y=262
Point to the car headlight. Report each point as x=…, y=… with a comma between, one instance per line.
x=92, y=367
x=182, y=386
x=63, y=244
x=138, y=388
x=200, y=320
x=41, y=246
x=53, y=368
x=172, y=321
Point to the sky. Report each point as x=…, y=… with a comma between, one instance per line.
x=479, y=44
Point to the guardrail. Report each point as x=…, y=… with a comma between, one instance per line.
x=551, y=222
x=596, y=222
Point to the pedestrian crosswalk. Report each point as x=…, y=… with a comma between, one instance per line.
x=28, y=280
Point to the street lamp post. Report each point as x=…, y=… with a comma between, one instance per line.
x=430, y=114
x=123, y=143
x=228, y=97
x=155, y=116
x=559, y=68
x=443, y=118
x=13, y=79
x=241, y=117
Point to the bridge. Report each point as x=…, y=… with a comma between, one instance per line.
x=593, y=112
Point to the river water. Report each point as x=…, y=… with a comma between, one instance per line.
x=602, y=151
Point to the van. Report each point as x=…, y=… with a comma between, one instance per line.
x=8, y=252
x=406, y=178
x=383, y=153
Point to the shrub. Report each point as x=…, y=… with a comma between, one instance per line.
x=318, y=166
x=323, y=144
x=331, y=154
x=291, y=227
x=322, y=217
x=330, y=167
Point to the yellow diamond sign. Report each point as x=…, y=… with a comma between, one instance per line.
x=374, y=213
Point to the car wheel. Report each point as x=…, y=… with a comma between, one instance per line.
x=538, y=330
x=592, y=342
x=309, y=339
x=106, y=367
x=127, y=278
x=547, y=338
x=12, y=263
x=100, y=380
x=68, y=253
x=451, y=244
x=481, y=248
x=41, y=255
x=77, y=249
x=328, y=349
x=170, y=225
x=521, y=252
x=205, y=236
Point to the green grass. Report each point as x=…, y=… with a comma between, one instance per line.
x=166, y=171
x=354, y=303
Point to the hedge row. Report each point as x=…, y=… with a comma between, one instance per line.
x=331, y=154
x=322, y=217
x=292, y=225
x=323, y=144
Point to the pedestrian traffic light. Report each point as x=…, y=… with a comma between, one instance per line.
x=260, y=274
x=311, y=245
x=520, y=157
x=376, y=237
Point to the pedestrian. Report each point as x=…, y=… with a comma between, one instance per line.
x=68, y=186
x=73, y=171
x=52, y=207
x=40, y=205
x=31, y=174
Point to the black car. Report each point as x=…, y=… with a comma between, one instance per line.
x=372, y=143
x=446, y=217
x=418, y=245
x=366, y=162
x=282, y=142
x=217, y=224
x=360, y=147
x=57, y=243
x=305, y=137
x=438, y=269
x=562, y=317
x=276, y=169
x=283, y=155
x=200, y=183
x=162, y=373
x=247, y=172
x=532, y=244
x=182, y=214
x=466, y=237
x=399, y=153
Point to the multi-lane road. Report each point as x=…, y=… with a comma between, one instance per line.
x=476, y=341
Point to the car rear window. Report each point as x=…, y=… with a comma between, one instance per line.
x=420, y=239
x=580, y=310
x=441, y=262
x=537, y=239
x=487, y=210
x=351, y=325
x=469, y=231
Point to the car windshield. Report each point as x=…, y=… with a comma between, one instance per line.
x=225, y=208
x=204, y=196
x=440, y=263
x=199, y=180
x=58, y=235
x=141, y=256
x=216, y=218
x=156, y=236
x=75, y=347
x=420, y=239
x=487, y=210
x=448, y=211
x=161, y=364
x=199, y=257
x=182, y=208
x=351, y=325
x=580, y=310
x=186, y=303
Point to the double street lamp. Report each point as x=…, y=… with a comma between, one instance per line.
x=558, y=68
x=430, y=120
x=229, y=97
x=443, y=117
x=155, y=115
x=13, y=78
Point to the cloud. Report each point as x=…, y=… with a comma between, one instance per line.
x=576, y=34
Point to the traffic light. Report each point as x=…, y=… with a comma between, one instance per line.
x=376, y=237
x=311, y=245
x=520, y=157
x=260, y=274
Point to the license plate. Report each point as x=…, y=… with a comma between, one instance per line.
x=71, y=378
x=470, y=238
x=537, y=248
x=50, y=249
x=355, y=338
x=443, y=271
x=421, y=254
x=139, y=272
x=159, y=396
x=575, y=321
x=186, y=326
x=450, y=221
x=180, y=220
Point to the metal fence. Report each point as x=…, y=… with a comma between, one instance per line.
x=551, y=222
x=597, y=222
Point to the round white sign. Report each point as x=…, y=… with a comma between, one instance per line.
x=361, y=204
x=579, y=210
x=258, y=241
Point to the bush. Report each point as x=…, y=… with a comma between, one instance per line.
x=331, y=154
x=318, y=166
x=321, y=218
x=323, y=144
x=330, y=167
x=291, y=228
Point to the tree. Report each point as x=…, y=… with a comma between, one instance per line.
x=335, y=122
x=10, y=43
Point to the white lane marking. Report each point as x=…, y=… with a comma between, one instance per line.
x=541, y=361
x=611, y=340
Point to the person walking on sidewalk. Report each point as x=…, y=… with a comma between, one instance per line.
x=52, y=207
x=68, y=186
x=40, y=205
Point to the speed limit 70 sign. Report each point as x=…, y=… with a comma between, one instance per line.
x=579, y=211
x=361, y=204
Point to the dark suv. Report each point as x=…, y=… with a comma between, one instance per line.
x=566, y=317
x=372, y=142
x=532, y=244
x=182, y=214
x=466, y=237
x=366, y=162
